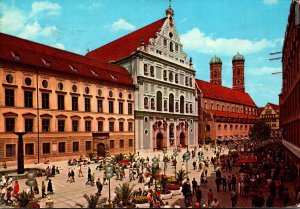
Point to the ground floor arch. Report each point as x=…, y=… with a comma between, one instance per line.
x=182, y=139
x=101, y=150
x=159, y=141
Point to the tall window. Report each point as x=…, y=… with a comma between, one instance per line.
x=176, y=78
x=9, y=124
x=129, y=108
x=171, y=102
x=75, y=125
x=45, y=101
x=100, y=126
x=28, y=98
x=9, y=97
x=75, y=103
x=130, y=126
x=111, y=106
x=187, y=108
x=87, y=104
x=177, y=107
x=145, y=69
x=100, y=105
x=152, y=104
x=75, y=146
x=121, y=143
x=29, y=149
x=130, y=143
x=146, y=103
x=191, y=83
x=165, y=75
x=111, y=126
x=186, y=81
x=45, y=125
x=111, y=144
x=171, y=47
x=28, y=125
x=182, y=104
x=191, y=108
x=121, y=126
x=88, y=125
x=165, y=105
x=46, y=148
x=152, y=71
x=61, y=125
x=10, y=150
x=61, y=146
x=159, y=101
x=60, y=102
x=120, y=107
x=88, y=145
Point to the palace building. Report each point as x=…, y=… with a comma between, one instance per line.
x=225, y=113
x=164, y=78
x=68, y=104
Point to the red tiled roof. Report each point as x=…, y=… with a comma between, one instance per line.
x=226, y=94
x=32, y=53
x=124, y=46
x=219, y=113
x=274, y=106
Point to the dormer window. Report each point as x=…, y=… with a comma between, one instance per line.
x=47, y=63
x=112, y=76
x=176, y=47
x=74, y=69
x=171, y=35
x=94, y=73
x=165, y=42
x=171, y=47
x=15, y=56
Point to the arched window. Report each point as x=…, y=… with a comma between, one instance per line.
x=159, y=101
x=152, y=71
x=211, y=106
x=217, y=106
x=165, y=75
x=171, y=102
x=236, y=127
x=228, y=108
x=165, y=42
x=219, y=127
x=225, y=127
x=177, y=107
x=222, y=107
x=241, y=127
x=146, y=103
x=187, y=108
x=171, y=47
x=171, y=130
x=205, y=105
x=207, y=128
x=182, y=104
x=145, y=69
x=165, y=105
x=186, y=81
x=246, y=127
x=170, y=76
x=191, y=83
x=152, y=104
x=176, y=78
x=191, y=108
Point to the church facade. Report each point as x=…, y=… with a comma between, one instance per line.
x=166, y=112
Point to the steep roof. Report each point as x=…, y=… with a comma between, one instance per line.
x=219, y=113
x=274, y=106
x=124, y=46
x=225, y=94
x=22, y=51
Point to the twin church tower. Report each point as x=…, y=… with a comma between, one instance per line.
x=238, y=82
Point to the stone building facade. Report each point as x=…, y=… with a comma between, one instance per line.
x=270, y=114
x=68, y=104
x=225, y=113
x=166, y=112
x=290, y=93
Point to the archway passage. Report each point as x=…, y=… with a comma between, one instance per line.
x=159, y=141
x=182, y=139
x=101, y=150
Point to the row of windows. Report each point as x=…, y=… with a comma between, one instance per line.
x=229, y=108
x=225, y=127
x=60, y=86
x=189, y=107
x=29, y=147
x=28, y=102
x=172, y=77
x=10, y=125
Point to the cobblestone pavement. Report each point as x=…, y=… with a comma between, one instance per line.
x=68, y=194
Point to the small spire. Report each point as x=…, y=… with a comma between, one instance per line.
x=170, y=3
x=191, y=60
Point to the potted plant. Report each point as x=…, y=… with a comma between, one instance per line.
x=124, y=193
x=174, y=188
x=181, y=175
x=141, y=202
x=93, y=201
x=171, y=180
x=165, y=194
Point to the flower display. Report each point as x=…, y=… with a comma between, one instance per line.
x=164, y=192
x=173, y=187
x=140, y=200
x=171, y=180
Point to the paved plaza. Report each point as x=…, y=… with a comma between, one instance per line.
x=67, y=194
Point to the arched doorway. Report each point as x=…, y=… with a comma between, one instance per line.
x=182, y=139
x=101, y=150
x=159, y=141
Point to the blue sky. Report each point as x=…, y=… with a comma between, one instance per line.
x=253, y=28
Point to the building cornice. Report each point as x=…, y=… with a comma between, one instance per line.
x=141, y=114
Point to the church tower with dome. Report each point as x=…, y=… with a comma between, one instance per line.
x=216, y=71
x=238, y=79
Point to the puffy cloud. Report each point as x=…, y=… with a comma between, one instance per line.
x=45, y=6
x=269, y=2
x=121, y=24
x=34, y=30
x=199, y=41
x=12, y=20
x=265, y=70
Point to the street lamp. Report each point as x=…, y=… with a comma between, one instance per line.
x=108, y=175
x=175, y=154
x=30, y=182
x=186, y=157
x=164, y=150
x=20, y=151
x=154, y=169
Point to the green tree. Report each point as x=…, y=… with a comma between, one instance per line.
x=93, y=201
x=124, y=192
x=181, y=175
x=131, y=157
x=260, y=131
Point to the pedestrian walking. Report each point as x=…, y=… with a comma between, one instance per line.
x=286, y=197
x=53, y=171
x=218, y=183
x=99, y=186
x=210, y=197
x=215, y=203
x=233, y=198
x=229, y=183
x=198, y=194
x=194, y=185
x=43, y=190
x=69, y=176
x=73, y=175
x=224, y=183
x=50, y=188
x=80, y=173
x=8, y=195
x=16, y=189
x=233, y=182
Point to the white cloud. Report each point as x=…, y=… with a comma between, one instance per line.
x=199, y=41
x=269, y=2
x=12, y=19
x=59, y=46
x=121, y=24
x=45, y=6
x=265, y=70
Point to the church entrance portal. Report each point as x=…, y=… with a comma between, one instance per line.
x=182, y=139
x=159, y=141
x=101, y=150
